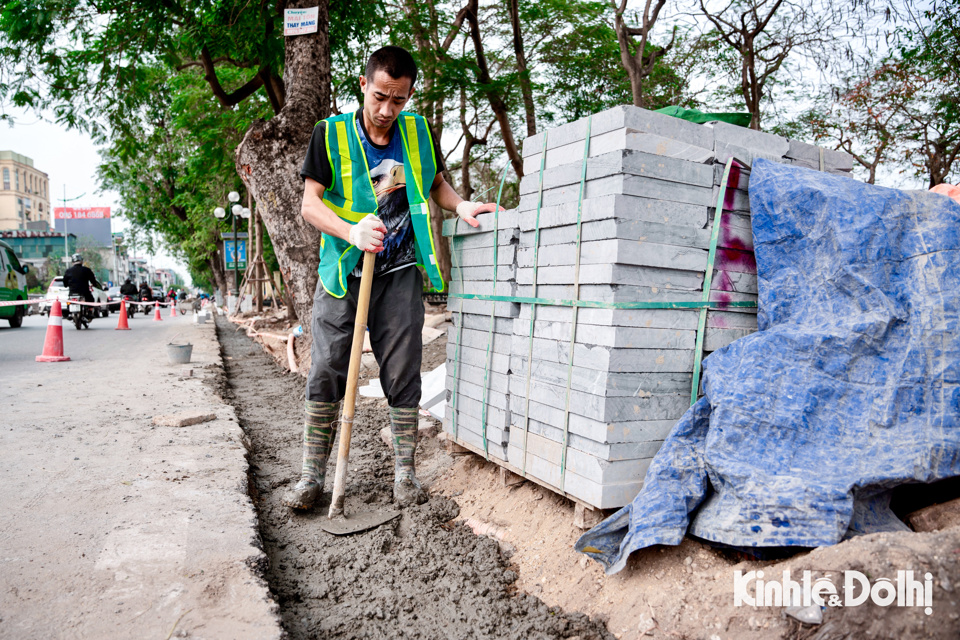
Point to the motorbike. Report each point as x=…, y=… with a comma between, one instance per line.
x=80, y=314
x=145, y=297
x=131, y=308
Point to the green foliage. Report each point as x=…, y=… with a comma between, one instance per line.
x=583, y=66
x=130, y=74
x=175, y=164
x=929, y=64
x=89, y=248
x=93, y=63
x=900, y=112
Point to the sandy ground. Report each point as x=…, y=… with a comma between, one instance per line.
x=422, y=576
x=687, y=591
x=111, y=527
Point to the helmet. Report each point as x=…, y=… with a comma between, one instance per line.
x=75, y=258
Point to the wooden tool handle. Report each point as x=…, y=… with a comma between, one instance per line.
x=353, y=373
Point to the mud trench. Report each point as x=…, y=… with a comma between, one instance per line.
x=420, y=576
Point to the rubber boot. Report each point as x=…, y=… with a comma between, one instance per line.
x=406, y=488
x=319, y=430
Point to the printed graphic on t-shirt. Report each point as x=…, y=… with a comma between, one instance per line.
x=393, y=207
x=394, y=210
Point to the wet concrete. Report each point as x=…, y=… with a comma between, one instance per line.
x=420, y=576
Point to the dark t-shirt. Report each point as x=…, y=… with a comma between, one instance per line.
x=387, y=176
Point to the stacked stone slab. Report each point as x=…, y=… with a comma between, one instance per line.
x=647, y=214
x=477, y=377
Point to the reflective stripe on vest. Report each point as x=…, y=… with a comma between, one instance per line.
x=352, y=196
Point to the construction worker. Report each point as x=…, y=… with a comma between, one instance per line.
x=367, y=177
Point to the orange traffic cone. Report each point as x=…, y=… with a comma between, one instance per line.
x=122, y=324
x=53, y=343
x=173, y=309
x=156, y=315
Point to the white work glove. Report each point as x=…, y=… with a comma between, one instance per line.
x=367, y=235
x=467, y=210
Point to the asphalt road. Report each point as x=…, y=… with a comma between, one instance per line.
x=111, y=526
x=19, y=347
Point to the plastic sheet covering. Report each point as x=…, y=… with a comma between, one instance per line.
x=849, y=388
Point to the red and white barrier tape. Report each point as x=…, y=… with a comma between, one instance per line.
x=13, y=303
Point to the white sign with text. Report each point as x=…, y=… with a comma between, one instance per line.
x=297, y=22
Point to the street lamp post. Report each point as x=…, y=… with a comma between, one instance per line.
x=240, y=211
x=66, y=246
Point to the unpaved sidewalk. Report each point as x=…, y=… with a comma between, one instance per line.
x=111, y=527
x=421, y=576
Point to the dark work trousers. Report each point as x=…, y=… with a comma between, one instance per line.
x=395, y=321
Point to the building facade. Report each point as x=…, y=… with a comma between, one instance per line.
x=35, y=247
x=24, y=194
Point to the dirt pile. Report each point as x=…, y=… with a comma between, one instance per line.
x=687, y=591
x=422, y=576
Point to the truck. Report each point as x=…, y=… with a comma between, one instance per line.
x=13, y=286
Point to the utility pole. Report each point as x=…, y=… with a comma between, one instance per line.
x=66, y=246
x=116, y=258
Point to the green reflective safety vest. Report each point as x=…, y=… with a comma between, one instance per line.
x=352, y=196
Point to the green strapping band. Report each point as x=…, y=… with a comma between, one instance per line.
x=593, y=304
x=456, y=358
x=702, y=305
x=533, y=308
x=489, y=362
x=573, y=321
x=708, y=282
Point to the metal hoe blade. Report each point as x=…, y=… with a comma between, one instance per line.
x=358, y=522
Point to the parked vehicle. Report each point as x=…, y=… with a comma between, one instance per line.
x=114, y=297
x=13, y=285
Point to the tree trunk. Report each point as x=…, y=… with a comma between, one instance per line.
x=636, y=85
x=639, y=65
x=525, y=87
x=494, y=97
x=433, y=112
x=626, y=58
x=219, y=277
x=269, y=159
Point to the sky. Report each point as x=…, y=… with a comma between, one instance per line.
x=70, y=159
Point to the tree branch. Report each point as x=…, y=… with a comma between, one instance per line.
x=497, y=104
x=454, y=28
x=226, y=99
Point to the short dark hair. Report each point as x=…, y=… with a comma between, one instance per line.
x=396, y=61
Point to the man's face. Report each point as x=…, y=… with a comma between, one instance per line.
x=384, y=98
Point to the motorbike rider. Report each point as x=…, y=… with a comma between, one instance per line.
x=128, y=288
x=79, y=278
x=146, y=293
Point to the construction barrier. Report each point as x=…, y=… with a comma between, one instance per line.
x=53, y=342
x=122, y=323
x=24, y=303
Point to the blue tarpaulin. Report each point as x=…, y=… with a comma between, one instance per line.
x=848, y=389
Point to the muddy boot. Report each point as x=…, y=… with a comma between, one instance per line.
x=406, y=488
x=318, y=433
